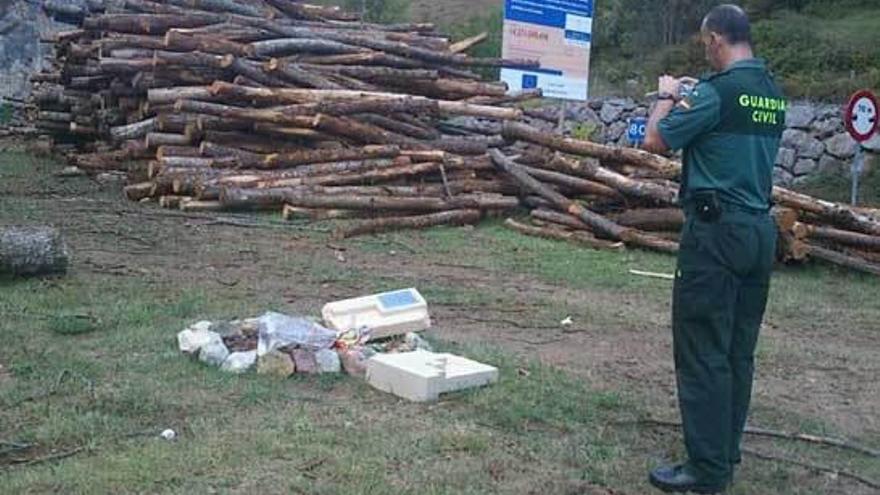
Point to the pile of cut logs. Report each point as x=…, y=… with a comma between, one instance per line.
x=281, y=105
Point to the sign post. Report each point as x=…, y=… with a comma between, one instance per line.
x=861, y=119
x=558, y=33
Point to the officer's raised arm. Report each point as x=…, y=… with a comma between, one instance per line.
x=667, y=90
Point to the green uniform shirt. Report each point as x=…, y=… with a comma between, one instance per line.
x=729, y=128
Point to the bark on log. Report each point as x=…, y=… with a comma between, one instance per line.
x=181, y=40
x=523, y=132
x=137, y=130
x=171, y=95
x=381, y=203
x=32, y=250
x=654, y=220
x=631, y=187
x=387, y=224
x=848, y=261
x=557, y=234
x=598, y=223
x=281, y=47
x=282, y=160
x=147, y=23
x=839, y=215
x=843, y=237
x=278, y=96
x=576, y=184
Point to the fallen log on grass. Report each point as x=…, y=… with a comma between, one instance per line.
x=387, y=224
x=32, y=250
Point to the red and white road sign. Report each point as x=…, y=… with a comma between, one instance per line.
x=861, y=116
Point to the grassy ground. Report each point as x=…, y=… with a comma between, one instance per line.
x=82, y=400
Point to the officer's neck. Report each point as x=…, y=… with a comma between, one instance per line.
x=737, y=53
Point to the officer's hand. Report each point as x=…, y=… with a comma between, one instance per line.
x=669, y=85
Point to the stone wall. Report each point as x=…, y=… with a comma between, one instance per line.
x=815, y=140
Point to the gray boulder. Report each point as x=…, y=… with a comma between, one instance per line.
x=782, y=177
x=610, y=112
x=794, y=139
x=214, y=353
x=786, y=158
x=842, y=146
x=812, y=148
x=328, y=361
x=800, y=116
x=805, y=167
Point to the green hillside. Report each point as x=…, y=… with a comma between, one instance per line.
x=818, y=48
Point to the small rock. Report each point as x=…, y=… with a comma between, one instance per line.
x=415, y=342
x=842, y=146
x=276, y=363
x=305, y=361
x=827, y=127
x=794, y=139
x=214, y=353
x=805, y=166
x=800, y=116
x=786, y=158
x=812, y=148
x=615, y=131
x=239, y=362
x=328, y=361
x=782, y=177
x=190, y=341
x=610, y=113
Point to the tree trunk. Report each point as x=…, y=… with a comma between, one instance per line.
x=597, y=223
x=387, y=224
x=523, y=132
x=638, y=189
x=31, y=251
x=577, y=237
x=843, y=260
x=654, y=220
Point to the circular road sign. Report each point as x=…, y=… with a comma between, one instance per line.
x=862, y=116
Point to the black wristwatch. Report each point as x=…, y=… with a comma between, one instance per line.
x=667, y=96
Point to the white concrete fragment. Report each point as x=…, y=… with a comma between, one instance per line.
x=239, y=362
x=422, y=376
x=387, y=314
x=191, y=340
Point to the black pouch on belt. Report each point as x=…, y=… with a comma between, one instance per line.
x=707, y=206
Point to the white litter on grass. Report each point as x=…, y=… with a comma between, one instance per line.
x=168, y=434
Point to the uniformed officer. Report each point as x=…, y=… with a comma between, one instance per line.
x=729, y=127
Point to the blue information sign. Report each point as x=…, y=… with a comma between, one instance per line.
x=637, y=130
x=556, y=33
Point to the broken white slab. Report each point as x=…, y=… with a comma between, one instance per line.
x=386, y=315
x=423, y=376
x=191, y=340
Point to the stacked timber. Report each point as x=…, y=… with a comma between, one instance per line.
x=277, y=105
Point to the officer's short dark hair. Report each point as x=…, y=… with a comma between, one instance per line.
x=729, y=21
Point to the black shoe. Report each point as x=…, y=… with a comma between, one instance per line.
x=679, y=479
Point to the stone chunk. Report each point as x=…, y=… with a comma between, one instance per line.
x=842, y=146
x=786, y=158
x=214, y=353
x=795, y=139
x=805, y=166
x=239, y=362
x=610, y=112
x=812, y=148
x=276, y=363
x=305, y=361
x=328, y=361
x=800, y=116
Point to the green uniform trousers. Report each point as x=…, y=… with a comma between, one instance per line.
x=719, y=298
